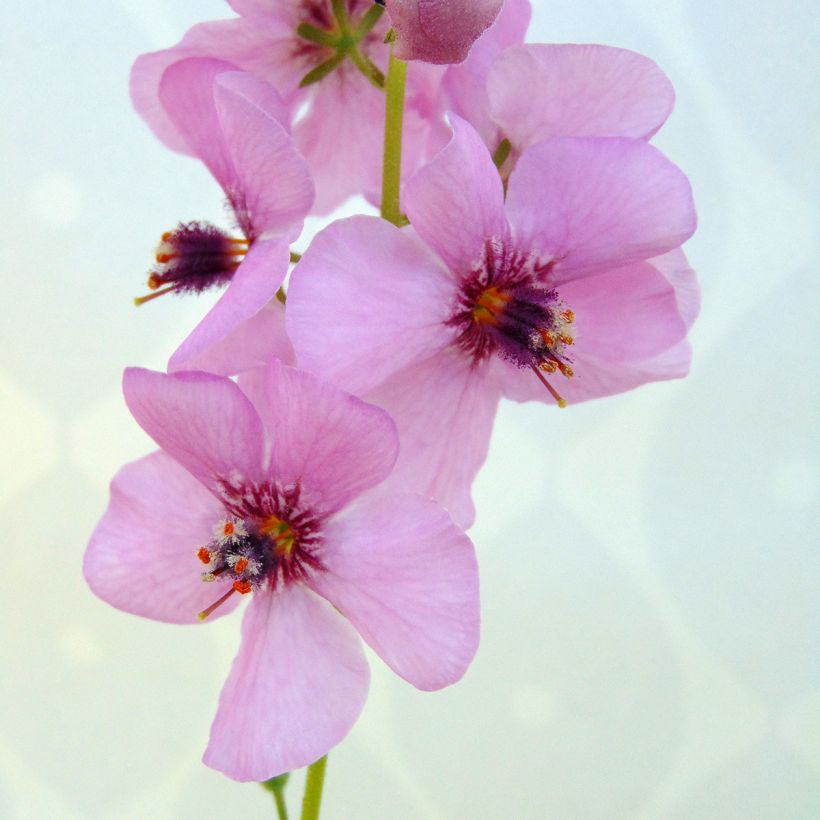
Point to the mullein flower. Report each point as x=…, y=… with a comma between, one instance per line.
x=327, y=59
x=573, y=288
x=268, y=499
x=238, y=126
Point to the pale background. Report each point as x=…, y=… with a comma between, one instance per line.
x=649, y=562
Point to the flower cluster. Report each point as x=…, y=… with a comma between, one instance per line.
x=319, y=436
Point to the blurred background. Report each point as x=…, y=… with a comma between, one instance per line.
x=650, y=567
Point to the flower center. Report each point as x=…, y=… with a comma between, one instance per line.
x=330, y=31
x=268, y=537
x=193, y=257
x=506, y=308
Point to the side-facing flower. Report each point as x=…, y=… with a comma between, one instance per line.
x=238, y=126
x=572, y=289
x=267, y=498
x=440, y=31
x=327, y=59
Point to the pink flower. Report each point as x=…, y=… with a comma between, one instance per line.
x=527, y=93
x=440, y=31
x=237, y=125
x=288, y=43
x=268, y=493
x=575, y=287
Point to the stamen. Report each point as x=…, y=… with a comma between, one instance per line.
x=141, y=300
x=241, y=565
x=206, y=612
x=552, y=391
x=242, y=587
x=204, y=555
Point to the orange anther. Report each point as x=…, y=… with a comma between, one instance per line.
x=548, y=338
x=228, y=528
x=204, y=555
x=242, y=587
x=241, y=565
x=568, y=316
x=566, y=370
x=548, y=366
x=567, y=340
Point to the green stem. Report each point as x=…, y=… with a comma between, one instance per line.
x=276, y=786
x=393, y=127
x=312, y=801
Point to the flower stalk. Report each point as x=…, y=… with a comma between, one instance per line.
x=312, y=800
x=393, y=128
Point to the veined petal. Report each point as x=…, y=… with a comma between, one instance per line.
x=366, y=300
x=295, y=689
x=596, y=203
x=465, y=84
x=456, y=202
x=250, y=346
x=406, y=577
x=142, y=555
x=273, y=190
x=205, y=422
x=252, y=287
x=583, y=90
x=444, y=409
x=334, y=444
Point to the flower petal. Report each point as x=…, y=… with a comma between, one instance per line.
x=274, y=191
x=465, y=84
x=439, y=31
x=334, y=444
x=457, y=201
x=595, y=203
x=583, y=90
x=366, y=300
x=245, y=46
x=406, y=577
x=142, y=555
x=251, y=345
x=444, y=409
x=203, y=421
x=253, y=286
x=295, y=689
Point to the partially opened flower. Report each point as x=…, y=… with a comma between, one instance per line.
x=440, y=31
x=327, y=58
x=238, y=126
x=266, y=499
x=573, y=289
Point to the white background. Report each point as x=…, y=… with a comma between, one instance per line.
x=649, y=562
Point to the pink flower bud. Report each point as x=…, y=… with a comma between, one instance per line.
x=440, y=31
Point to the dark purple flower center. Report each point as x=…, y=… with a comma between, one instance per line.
x=268, y=537
x=194, y=257
x=505, y=307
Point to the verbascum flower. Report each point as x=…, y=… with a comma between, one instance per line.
x=238, y=126
x=573, y=288
x=267, y=497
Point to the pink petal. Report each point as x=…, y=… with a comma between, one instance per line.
x=186, y=91
x=249, y=47
x=440, y=31
x=457, y=201
x=334, y=444
x=630, y=331
x=203, y=421
x=365, y=300
x=465, y=84
x=444, y=409
x=142, y=556
x=295, y=689
x=253, y=286
x=595, y=203
x=251, y=345
x=347, y=156
x=406, y=577
x=583, y=90
x=273, y=189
